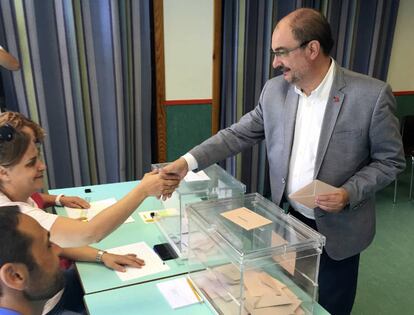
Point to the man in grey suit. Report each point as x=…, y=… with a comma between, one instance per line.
x=320, y=121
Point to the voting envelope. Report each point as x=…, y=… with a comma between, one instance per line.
x=306, y=195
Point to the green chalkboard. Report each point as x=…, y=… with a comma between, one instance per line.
x=187, y=126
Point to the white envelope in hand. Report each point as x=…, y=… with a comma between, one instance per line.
x=306, y=195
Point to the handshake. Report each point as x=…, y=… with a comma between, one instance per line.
x=162, y=182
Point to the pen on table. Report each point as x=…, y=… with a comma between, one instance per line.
x=83, y=215
x=148, y=219
x=153, y=216
x=190, y=283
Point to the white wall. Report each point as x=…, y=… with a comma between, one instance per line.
x=188, y=42
x=401, y=69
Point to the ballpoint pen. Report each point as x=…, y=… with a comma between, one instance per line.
x=84, y=212
x=190, y=283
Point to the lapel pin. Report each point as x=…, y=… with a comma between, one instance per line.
x=336, y=98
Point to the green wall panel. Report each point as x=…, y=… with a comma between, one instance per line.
x=187, y=126
x=405, y=105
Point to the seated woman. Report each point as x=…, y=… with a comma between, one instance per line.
x=21, y=174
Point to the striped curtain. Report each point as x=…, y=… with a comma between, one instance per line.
x=86, y=78
x=362, y=29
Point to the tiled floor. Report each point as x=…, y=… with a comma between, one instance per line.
x=386, y=278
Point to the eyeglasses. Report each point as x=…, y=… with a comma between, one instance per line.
x=7, y=133
x=284, y=52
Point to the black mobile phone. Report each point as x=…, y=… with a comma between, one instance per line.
x=165, y=251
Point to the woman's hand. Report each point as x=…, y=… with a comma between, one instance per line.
x=119, y=262
x=74, y=202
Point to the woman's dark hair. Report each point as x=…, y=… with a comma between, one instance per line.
x=12, y=146
x=18, y=122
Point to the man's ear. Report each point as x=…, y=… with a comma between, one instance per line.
x=14, y=276
x=4, y=174
x=314, y=48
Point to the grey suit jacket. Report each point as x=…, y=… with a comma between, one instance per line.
x=360, y=149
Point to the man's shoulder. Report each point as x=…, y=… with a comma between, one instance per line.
x=353, y=79
x=7, y=311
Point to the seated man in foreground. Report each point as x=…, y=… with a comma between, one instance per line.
x=29, y=264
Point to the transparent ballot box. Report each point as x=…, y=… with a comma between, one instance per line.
x=211, y=183
x=257, y=260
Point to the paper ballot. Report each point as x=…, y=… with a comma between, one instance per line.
x=179, y=292
x=96, y=207
x=306, y=195
x=153, y=263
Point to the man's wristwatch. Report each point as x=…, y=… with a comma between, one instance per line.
x=99, y=255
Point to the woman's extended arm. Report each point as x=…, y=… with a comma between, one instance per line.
x=68, y=232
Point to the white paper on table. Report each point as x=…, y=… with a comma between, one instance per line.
x=177, y=292
x=194, y=177
x=153, y=263
x=96, y=207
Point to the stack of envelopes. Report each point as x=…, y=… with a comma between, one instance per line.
x=263, y=294
x=267, y=295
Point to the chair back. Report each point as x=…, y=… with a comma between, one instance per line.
x=407, y=133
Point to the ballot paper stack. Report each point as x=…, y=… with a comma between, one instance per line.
x=211, y=183
x=257, y=259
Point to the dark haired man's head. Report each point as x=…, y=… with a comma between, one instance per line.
x=308, y=24
x=301, y=43
x=29, y=262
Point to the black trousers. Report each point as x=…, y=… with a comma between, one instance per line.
x=337, y=278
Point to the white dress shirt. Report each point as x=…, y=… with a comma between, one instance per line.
x=309, y=118
x=191, y=161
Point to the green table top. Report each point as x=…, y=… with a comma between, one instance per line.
x=138, y=299
x=146, y=299
x=96, y=277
